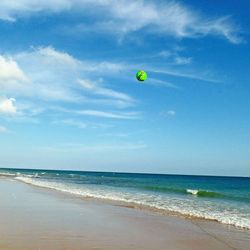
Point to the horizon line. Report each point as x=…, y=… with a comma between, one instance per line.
x=120, y=172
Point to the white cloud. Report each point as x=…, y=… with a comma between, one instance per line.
x=171, y=112
x=11, y=10
x=104, y=114
x=182, y=60
x=124, y=16
x=73, y=147
x=72, y=122
x=57, y=77
x=115, y=134
x=165, y=53
x=29, y=76
x=182, y=74
x=94, y=88
x=11, y=75
x=3, y=129
x=51, y=56
x=99, y=113
x=7, y=106
x=87, y=84
x=53, y=76
x=174, y=57
x=157, y=82
x=10, y=70
x=168, y=113
x=104, y=67
x=171, y=18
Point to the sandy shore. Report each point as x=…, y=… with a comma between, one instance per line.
x=35, y=218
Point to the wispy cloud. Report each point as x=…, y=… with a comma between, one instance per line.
x=182, y=60
x=174, y=57
x=72, y=122
x=72, y=147
x=94, y=88
x=165, y=53
x=51, y=56
x=168, y=18
x=115, y=135
x=57, y=76
x=171, y=112
x=3, y=129
x=7, y=106
x=104, y=114
x=168, y=113
x=44, y=77
x=13, y=111
x=157, y=82
x=182, y=74
x=11, y=75
x=51, y=75
x=99, y=113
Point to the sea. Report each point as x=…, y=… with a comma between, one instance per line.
x=223, y=199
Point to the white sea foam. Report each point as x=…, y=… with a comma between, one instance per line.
x=192, y=191
x=239, y=217
x=7, y=174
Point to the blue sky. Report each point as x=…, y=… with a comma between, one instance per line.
x=69, y=98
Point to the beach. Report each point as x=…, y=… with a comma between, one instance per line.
x=38, y=218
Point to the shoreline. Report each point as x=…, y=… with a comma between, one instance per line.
x=133, y=205
x=36, y=218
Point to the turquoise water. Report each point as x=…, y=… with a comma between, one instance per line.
x=225, y=199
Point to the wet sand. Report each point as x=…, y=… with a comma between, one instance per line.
x=36, y=218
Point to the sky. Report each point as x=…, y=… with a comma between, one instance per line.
x=69, y=98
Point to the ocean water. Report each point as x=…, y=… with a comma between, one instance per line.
x=224, y=199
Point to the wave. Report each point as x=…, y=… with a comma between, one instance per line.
x=185, y=206
x=204, y=193
x=195, y=192
x=164, y=189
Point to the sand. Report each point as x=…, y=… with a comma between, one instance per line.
x=36, y=218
